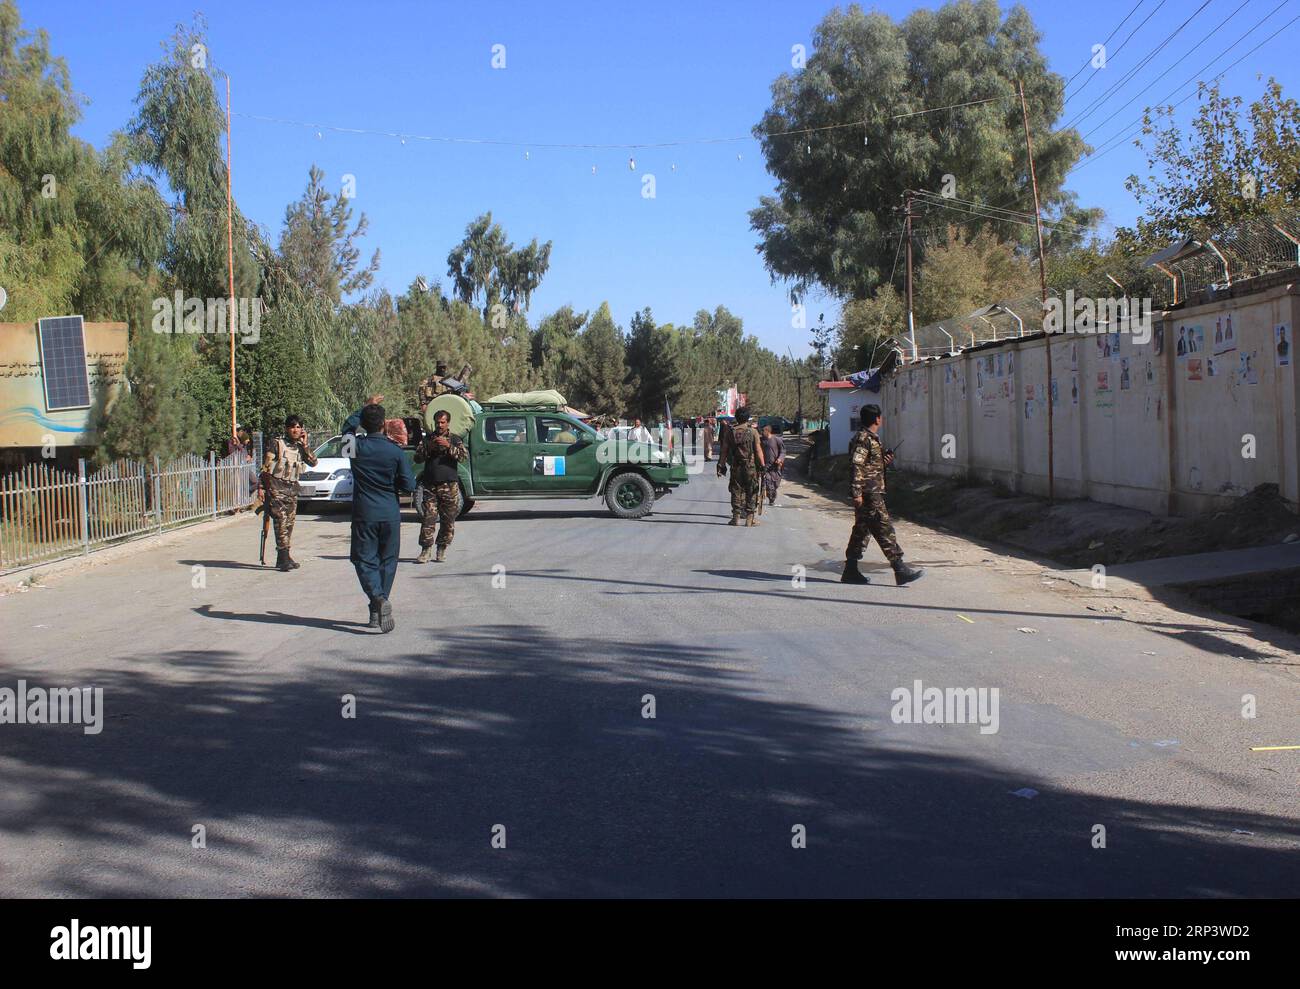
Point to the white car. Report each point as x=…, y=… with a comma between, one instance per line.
x=330, y=481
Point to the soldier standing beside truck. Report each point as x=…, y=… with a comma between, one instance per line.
x=440, y=452
x=281, y=466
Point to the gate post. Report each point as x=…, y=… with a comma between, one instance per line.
x=212, y=470
x=157, y=494
x=82, y=506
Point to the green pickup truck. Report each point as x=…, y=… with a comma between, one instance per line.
x=531, y=449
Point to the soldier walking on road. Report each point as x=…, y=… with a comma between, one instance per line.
x=281, y=466
x=440, y=452
x=869, y=459
x=743, y=453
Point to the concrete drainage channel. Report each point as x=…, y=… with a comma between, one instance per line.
x=1272, y=597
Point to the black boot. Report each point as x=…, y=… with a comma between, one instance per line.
x=852, y=575
x=293, y=564
x=903, y=574
x=374, y=612
x=282, y=560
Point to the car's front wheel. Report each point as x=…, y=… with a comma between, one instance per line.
x=629, y=495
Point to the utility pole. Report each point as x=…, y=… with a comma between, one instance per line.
x=1042, y=277
x=911, y=327
x=230, y=261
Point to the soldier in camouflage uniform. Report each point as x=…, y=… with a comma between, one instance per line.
x=869, y=458
x=432, y=386
x=281, y=466
x=440, y=452
x=743, y=453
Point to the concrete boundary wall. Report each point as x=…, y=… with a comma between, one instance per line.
x=1166, y=425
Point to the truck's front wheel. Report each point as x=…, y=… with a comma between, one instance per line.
x=629, y=495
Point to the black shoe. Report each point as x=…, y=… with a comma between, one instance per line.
x=293, y=564
x=374, y=614
x=852, y=575
x=282, y=560
x=903, y=574
x=386, y=623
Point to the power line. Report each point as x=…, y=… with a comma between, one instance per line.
x=1117, y=51
x=1143, y=63
x=1088, y=61
x=1184, y=56
x=563, y=146
x=1141, y=122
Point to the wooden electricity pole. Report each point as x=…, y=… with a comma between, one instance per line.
x=1042, y=277
x=911, y=327
x=230, y=263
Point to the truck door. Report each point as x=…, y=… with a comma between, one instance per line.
x=564, y=455
x=503, y=461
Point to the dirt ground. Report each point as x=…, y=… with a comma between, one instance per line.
x=1077, y=533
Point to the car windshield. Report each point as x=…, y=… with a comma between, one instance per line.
x=331, y=448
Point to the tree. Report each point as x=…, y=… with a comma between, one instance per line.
x=485, y=266
x=156, y=416
x=556, y=348
x=652, y=374
x=865, y=325
x=317, y=247
x=1217, y=172
x=970, y=271
x=599, y=378
x=852, y=154
x=77, y=233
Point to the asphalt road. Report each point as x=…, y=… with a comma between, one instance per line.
x=519, y=702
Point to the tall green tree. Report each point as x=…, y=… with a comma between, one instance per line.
x=653, y=377
x=600, y=378
x=318, y=248
x=1227, y=167
x=846, y=135
x=485, y=268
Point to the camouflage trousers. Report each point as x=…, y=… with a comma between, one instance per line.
x=440, y=504
x=744, y=489
x=282, y=506
x=872, y=519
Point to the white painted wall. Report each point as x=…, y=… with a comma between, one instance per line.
x=1132, y=427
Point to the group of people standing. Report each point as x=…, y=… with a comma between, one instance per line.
x=381, y=474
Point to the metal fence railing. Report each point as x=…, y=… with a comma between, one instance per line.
x=48, y=514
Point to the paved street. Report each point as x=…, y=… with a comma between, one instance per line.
x=521, y=705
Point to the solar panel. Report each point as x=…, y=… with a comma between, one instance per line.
x=63, y=363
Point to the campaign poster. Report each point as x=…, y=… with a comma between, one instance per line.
x=1195, y=369
x=1282, y=344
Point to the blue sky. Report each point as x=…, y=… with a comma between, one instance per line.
x=578, y=73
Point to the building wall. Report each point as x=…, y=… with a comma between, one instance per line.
x=1134, y=423
x=24, y=419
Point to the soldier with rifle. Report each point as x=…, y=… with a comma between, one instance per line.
x=281, y=466
x=742, y=451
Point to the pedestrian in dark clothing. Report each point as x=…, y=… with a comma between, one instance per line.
x=380, y=473
x=774, y=460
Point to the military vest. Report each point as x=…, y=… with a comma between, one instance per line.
x=744, y=444
x=288, y=462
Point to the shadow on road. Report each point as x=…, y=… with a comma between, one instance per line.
x=509, y=726
x=280, y=618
